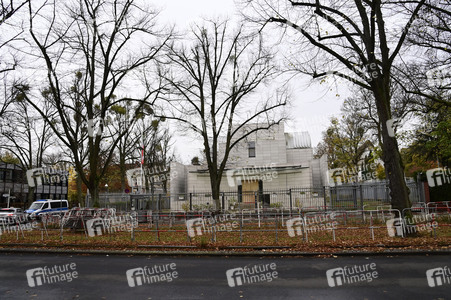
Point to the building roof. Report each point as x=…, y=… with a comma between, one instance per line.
x=298, y=140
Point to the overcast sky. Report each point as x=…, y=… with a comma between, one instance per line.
x=312, y=105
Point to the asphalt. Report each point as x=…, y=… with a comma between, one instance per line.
x=104, y=276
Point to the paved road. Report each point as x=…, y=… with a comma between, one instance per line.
x=105, y=277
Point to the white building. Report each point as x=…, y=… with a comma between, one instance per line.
x=266, y=161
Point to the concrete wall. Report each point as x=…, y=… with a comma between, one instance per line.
x=271, y=152
x=316, y=173
x=200, y=181
x=272, y=180
x=270, y=148
x=323, y=170
x=299, y=156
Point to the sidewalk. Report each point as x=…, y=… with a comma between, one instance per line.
x=254, y=251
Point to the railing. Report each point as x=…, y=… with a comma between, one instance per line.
x=368, y=195
x=243, y=226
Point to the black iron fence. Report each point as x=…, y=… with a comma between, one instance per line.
x=360, y=196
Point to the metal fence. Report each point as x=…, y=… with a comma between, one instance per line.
x=361, y=196
x=265, y=226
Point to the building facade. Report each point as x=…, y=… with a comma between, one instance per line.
x=265, y=161
x=14, y=182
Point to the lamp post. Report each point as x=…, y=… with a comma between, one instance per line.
x=106, y=195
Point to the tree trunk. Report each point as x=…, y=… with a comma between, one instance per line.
x=30, y=194
x=390, y=155
x=79, y=190
x=94, y=191
x=122, y=171
x=215, y=192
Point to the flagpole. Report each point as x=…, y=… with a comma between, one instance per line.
x=142, y=160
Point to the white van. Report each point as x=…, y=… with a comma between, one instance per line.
x=47, y=206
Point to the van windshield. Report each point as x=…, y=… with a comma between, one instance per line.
x=36, y=205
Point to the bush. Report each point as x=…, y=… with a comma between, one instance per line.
x=276, y=205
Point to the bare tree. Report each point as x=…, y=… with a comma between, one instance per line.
x=359, y=41
x=157, y=156
x=7, y=10
x=120, y=120
x=429, y=76
x=212, y=82
x=8, y=61
x=9, y=7
x=112, y=41
x=26, y=135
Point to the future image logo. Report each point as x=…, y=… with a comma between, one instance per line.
x=230, y=178
x=395, y=227
x=218, y=223
x=195, y=226
x=18, y=224
x=134, y=177
x=414, y=224
x=47, y=275
x=351, y=274
x=438, y=176
x=336, y=176
x=263, y=173
x=100, y=226
x=391, y=126
x=352, y=174
x=94, y=126
x=153, y=274
x=50, y=175
x=251, y=274
x=438, y=276
x=96, y=227
x=311, y=223
x=295, y=226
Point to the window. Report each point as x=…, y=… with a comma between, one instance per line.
x=8, y=175
x=46, y=205
x=251, y=147
x=56, y=204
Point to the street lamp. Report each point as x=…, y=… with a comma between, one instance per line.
x=106, y=188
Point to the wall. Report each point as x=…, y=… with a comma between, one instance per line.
x=270, y=148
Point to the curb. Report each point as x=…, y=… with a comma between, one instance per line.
x=222, y=253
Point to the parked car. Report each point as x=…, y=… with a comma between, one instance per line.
x=12, y=215
x=47, y=206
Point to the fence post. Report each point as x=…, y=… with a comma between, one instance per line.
x=256, y=200
x=354, y=193
x=361, y=197
x=190, y=201
x=158, y=203
x=241, y=227
x=375, y=193
x=325, y=198
x=132, y=221
x=61, y=232
x=223, y=201
x=291, y=201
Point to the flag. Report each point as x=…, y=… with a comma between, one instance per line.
x=142, y=156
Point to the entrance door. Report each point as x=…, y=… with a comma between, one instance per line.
x=249, y=190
